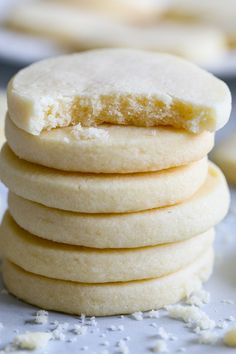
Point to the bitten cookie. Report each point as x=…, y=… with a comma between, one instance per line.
x=118, y=86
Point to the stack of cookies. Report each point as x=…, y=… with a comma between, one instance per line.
x=112, y=201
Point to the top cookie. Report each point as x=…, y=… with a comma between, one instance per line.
x=118, y=86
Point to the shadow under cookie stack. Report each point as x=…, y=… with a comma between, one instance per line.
x=112, y=201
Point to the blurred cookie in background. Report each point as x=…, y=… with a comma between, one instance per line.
x=79, y=29
x=84, y=29
x=196, y=42
x=3, y=110
x=224, y=155
x=125, y=11
x=221, y=13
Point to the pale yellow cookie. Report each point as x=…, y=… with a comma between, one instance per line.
x=169, y=224
x=200, y=43
x=216, y=12
x=91, y=265
x=118, y=86
x=132, y=11
x=109, y=148
x=110, y=298
x=230, y=338
x=100, y=193
x=80, y=29
x=224, y=155
x=83, y=29
x=3, y=110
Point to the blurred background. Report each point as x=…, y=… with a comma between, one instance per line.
x=203, y=31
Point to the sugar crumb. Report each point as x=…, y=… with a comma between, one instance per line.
x=82, y=318
x=84, y=133
x=32, y=340
x=66, y=140
x=230, y=318
x=227, y=301
x=153, y=324
x=160, y=347
x=120, y=328
x=138, y=316
x=122, y=347
x=208, y=338
x=172, y=337
x=198, y=298
x=41, y=317
x=192, y=315
x=85, y=347
x=93, y=321
x=222, y=324
x=79, y=330
x=153, y=314
x=162, y=333
x=127, y=339
x=112, y=328
x=58, y=332
x=105, y=343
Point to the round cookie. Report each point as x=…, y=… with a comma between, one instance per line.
x=99, y=193
x=151, y=227
x=109, y=298
x=132, y=11
x=224, y=155
x=196, y=42
x=90, y=265
x=3, y=110
x=220, y=14
x=109, y=148
x=117, y=86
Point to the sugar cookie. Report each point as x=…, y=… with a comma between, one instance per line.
x=3, y=110
x=200, y=43
x=118, y=86
x=110, y=298
x=230, y=338
x=100, y=193
x=224, y=155
x=132, y=11
x=81, y=29
x=88, y=30
x=127, y=149
x=151, y=227
x=219, y=13
x=90, y=265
